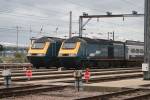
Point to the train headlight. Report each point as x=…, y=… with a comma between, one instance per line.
x=40, y=54
x=72, y=55
x=28, y=54
x=59, y=54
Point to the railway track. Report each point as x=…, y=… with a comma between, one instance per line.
x=131, y=94
x=27, y=89
x=98, y=75
x=65, y=76
x=70, y=73
x=14, y=65
x=18, y=77
x=52, y=71
x=106, y=78
x=22, y=65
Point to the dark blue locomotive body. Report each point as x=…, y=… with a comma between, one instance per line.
x=43, y=52
x=82, y=52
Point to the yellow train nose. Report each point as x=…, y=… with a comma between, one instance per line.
x=69, y=52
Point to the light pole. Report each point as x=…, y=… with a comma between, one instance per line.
x=70, y=25
x=17, y=38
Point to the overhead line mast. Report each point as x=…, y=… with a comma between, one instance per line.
x=146, y=65
x=109, y=15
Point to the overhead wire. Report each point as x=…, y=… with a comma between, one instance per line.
x=20, y=15
x=7, y=12
x=39, y=8
x=81, y=6
x=75, y=4
x=4, y=29
x=133, y=4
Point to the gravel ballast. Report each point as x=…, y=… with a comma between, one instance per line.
x=66, y=94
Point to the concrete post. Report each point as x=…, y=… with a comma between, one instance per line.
x=147, y=40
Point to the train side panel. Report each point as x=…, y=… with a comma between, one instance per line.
x=99, y=53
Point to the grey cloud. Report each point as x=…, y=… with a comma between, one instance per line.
x=55, y=13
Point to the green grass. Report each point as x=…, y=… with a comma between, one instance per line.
x=17, y=58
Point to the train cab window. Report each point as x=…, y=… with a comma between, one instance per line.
x=69, y=45
x=38, y=45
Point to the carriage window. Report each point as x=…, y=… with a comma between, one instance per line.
x=141, y=51
x=133, y=50
x=69, y=45
x=137, y=50
x=38, y=45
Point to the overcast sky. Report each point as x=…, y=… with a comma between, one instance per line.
x=51, y=14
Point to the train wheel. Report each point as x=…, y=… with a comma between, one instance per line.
x=57, y=65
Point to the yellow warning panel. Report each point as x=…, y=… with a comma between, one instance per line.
x=40, y=51
x=70, y=51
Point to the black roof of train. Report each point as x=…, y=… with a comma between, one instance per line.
x=89, y=40
x=131, y=42
x=48, y=39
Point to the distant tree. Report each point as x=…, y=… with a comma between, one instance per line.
x=18, y=55
x=1, y=47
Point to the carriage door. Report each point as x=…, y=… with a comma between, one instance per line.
x=54, y=49
x=110, y=51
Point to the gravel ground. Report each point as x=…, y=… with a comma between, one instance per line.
x=66, y=94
